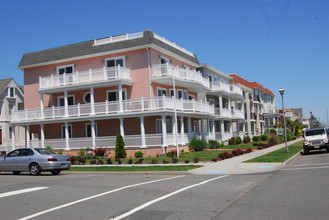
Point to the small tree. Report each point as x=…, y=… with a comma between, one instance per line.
x=120, y=151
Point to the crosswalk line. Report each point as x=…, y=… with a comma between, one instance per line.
x=16, y=192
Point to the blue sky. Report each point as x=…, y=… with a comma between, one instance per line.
x=278, y=43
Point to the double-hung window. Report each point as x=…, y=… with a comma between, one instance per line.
x=112, y=62
x=70, y=100
x=113, y=95
x=11, y=92
x=65, y=69
x=162, y=91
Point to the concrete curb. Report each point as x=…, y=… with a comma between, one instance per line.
x=129, y=173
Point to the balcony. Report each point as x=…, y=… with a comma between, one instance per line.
x=236, y=91
x=223, y=113
x=85, y=78
x=220, y=86
x=114, y=107
x=164, y=73
x=238, y=114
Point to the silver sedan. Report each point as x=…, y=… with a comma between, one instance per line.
x=34, y=160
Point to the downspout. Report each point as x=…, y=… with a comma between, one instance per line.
x=149, y=71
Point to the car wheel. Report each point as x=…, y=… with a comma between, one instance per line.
x=55, y=172
x=16, y=172
x=306, y=152
x=35, y=169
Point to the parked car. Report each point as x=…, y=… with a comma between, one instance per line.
x=34, y=160
x=316, y=139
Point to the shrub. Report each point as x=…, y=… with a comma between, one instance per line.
x=186, y=161
x=60, y=152
x=237, y=152
x=255, y=144
x=49, y=148
x=81, y=152
x=273, y=139
x=92, y=162
x=100, y=162
x=109, y=161
x=139, y=161
x=139, y=154
x=246, y=139
x=154, y=161
x=130, y=161
x=72, y=160
x=213, y=144
x=171, y=153
x=174, y=160
x=120, y=151
x=100, y=152
x=197, y=145
x=214, y=159
x=238, y=140
x=232, y=141
x=165, y=161
x=248, y=150
x=264, y=137
x=118, y=160
x=82, y=160
x=259, y=148
x=255, y=138
x=196, y=159
x=225, y=155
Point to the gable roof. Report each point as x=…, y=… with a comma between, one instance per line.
x=240, y=80
x=4, y=83
x=89, y=48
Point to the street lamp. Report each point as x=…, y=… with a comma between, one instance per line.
x=281, y=91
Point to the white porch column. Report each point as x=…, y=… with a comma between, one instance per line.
x=142, y=131
x=66, y=104
x=93, y=133
x=120, y=97
x=164, y=131
x=122, y=130
x=67, y=136
x=248, y=114
x=174, y=128
x=13, y=139
x=41, y=106
x=42, y=135
x=27, y=129
x=182, y=132
x=220, y=102
x=189, y=127
x=213, y=129
x=92, y=101
x=222, y=128
x=202, y=128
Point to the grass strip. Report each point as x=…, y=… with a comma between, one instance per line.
x=135, y=168
x=279, y=155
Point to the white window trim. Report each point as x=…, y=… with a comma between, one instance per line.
x=60, y=67
x=165, y=58
x=62, y=97
x=84, y=98
x=116, y=90
x=86, y=133
x=162, y=89
x=189, y=95
x=8, y=94
x=63, y=130
x=179, y=90
x=171, y=90
x=115, y=58
x=185, y=94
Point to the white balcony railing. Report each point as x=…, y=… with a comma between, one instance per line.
x=220, y=86
x=236, y=90
x=237, y=113
x=114, y=107
x=166, y=70
x=223, y=112
x=85, y=77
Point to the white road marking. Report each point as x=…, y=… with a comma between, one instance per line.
x=95, y=196
x=162, y=198
x=310, y=164
x=307, y=168
x=16, y=192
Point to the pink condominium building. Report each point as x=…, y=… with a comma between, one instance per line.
x=151, y=91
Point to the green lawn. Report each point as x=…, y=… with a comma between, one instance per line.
x=134, y=168
x=278, y=155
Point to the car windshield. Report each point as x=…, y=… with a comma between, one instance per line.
x=44, y=151
x=315, y=132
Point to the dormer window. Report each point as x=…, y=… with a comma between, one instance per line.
x=65, y=69
x=11, y=92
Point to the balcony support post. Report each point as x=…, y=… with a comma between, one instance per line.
x=13, y=138
x=120, y=97
x=104, y=73
x=142, y=131
x=93, y=133
x=164, y=132
x=42, y=135
x=122, y=130
x=53, y=111
x=41, y=106
x=92, y=101
x=213, y=129
x=182, y=132
x=248, y=114
x=107, y=106
x=27, y=136
x=67, y=136
x=189, y=127
x=66, y=104
x=222, y=128
x=142, y=104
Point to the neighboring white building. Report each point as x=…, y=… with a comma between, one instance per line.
x=11, y=98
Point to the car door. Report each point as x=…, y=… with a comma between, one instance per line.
x=24, y=159
x=9, y=161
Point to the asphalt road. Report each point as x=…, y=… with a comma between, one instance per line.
x=299, y=191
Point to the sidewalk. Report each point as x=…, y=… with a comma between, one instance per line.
x=235, y=165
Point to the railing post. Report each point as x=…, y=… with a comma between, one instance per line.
x=89, y=75
x=107, y=106
x=104, y=73
x=64, y=78
x=40, y=84
x=26, y=115
x=142, y=103
x=163, y=101
x=52, y=80
x=77, y=77
x=167, y=67
x=119, y=71
x=79, y=109
x=53, y=111
x=193, y=101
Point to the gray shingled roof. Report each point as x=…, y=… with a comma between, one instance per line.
x=4, y=83
x=87, y=48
